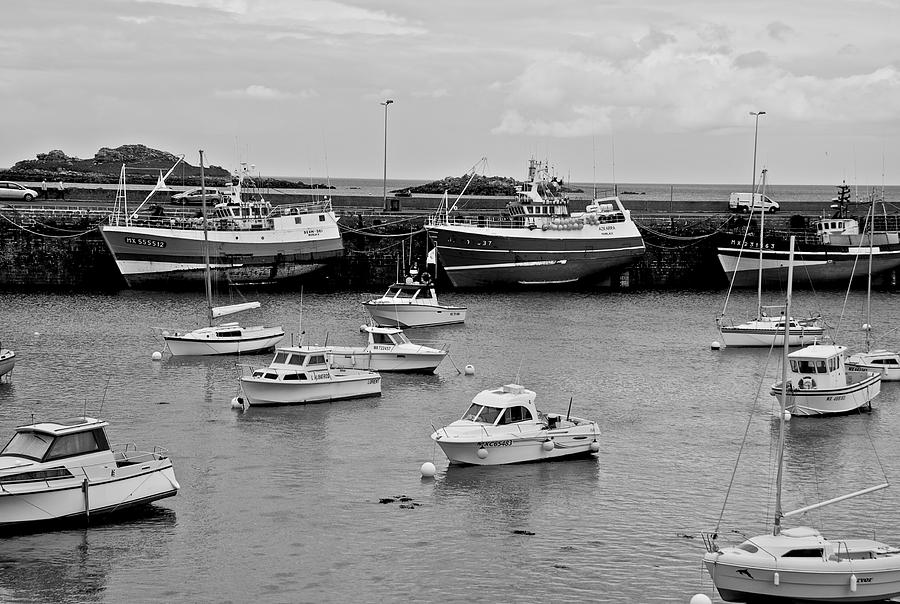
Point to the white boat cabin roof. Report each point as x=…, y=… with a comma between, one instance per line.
x=410, y=290
x=510, y=395
x=299, y=356
x=817, y=352
x=382, y=330
x=66, y=426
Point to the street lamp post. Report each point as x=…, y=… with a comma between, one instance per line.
x=762, y=212
x=384, y=177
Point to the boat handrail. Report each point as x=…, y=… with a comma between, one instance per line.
x=308, y=207
x=184, y=222
x=542, y=222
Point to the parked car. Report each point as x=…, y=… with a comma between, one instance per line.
x=196, y=196
x=13, y=190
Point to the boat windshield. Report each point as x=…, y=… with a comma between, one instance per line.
x=28, y=444
x=482, y=414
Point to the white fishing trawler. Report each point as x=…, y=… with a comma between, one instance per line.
x=300, y=375
x=388, y=349
x=249, y=240
x=503, y=426
x=53, y=471
x=538, y=241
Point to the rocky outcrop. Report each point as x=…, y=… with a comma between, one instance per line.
x=480, y=185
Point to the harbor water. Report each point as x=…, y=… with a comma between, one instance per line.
x=325, y=502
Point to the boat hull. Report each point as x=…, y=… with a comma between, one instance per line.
x=875, y=580
x=149, y=254
x=7, y=361
x=474, y=256
x=345, y=384
x=738, y=337
x=201, y=343
x=818, y=265
x=23, y=504
x=858, y=393
x=407, y=316
x=359, y=358
x=518, y=448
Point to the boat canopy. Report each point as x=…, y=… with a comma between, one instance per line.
x=49, y=441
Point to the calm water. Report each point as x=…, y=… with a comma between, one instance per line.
x=282, y=505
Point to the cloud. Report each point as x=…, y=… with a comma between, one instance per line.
x=259, y=92
x=137, y=20
x=780, y=31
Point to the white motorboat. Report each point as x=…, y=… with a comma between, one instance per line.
x=413, y=304
x=766, y=328
x=226, y=338
x=7, y=361
x=819, y=384
x=800, y=563
x=503, y=426
x=302, y=374
x=52, y=471
x=388, y=349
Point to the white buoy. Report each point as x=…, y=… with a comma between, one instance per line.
x=427, y=470
x=715, y=345
x=867, y=327
x=547, y=445
x=165, y=333
x=237, y=403
x=787, y=415
x=156, y=356
x=595, y=446
x=700, y=599
x=37, y=333
x=481, y=453
x=470, y=370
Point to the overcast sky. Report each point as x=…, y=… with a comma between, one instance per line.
x=632, y=91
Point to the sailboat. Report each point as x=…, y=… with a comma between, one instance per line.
x=224, y=338
x=767, y=328
x=800, y=563
x=885, y=362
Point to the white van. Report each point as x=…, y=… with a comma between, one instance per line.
x=740, y=202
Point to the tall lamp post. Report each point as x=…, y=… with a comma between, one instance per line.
x=384, y=177
x=762, y=211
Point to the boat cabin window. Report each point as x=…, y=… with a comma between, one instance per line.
x=78, y=443
x=291, y=377
x=748, y=547
x=48, y=474
x=426, y=293
x=803, y=553
x=228, y=334
x=513, y=415
x=885, y=362
x=400, y=338
x=808, y=366
x=316, y=359
x=391, y=292
x=483, y=415
x=271, y=376
x=28, y=444
x=280, y=357
x=296, y=359
x=381, y=338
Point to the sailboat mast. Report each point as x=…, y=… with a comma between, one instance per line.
x=762, y=224
x=209, y=304
x=868, y=328
x=784, y=364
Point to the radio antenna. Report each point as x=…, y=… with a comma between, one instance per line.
x=105, y=388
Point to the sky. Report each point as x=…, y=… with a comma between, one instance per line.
x=641, y=91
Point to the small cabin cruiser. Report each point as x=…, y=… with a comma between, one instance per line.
x=413, y=304
x=885, y=362
x=7, y=361
x=302, y=374
x=388, y=350
x=819, y=384
x=502, y=426
x=52, y=471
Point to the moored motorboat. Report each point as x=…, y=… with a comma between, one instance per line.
x=53, y=471
x=302, y=374
x=388, y=349
x=768, y=330
x=7, y=361
x=885, y=362
x=413, y=304
x=819, y=384
x=538, y=241
x=503, y=426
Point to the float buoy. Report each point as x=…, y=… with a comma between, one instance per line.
x=156, y=356
x=470, y=370
x=237, y=402
x=427, y=470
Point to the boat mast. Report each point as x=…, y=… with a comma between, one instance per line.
x=756, y=115
x=762, y=224
x=209, y=304
x=784, y=364
x=868, y=326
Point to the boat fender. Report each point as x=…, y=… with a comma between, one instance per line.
x=547, y=445
x=532, y=226
x=544, y=227
x=776, y=579
x=595, y=446
x=481, y=453
x=853, y=583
